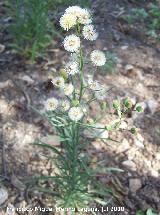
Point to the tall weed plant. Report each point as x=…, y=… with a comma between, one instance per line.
x=30, y=27
x=74, y=184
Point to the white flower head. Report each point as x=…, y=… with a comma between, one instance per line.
x=65, y=105
x=84, y=17
x=98, y=58
x=68, y=21
x=75, y=10
x=101, y=94
x=58, y=82
x=51, y=104
x=72, y=68
x=68, y=89
x=71, y=43
x=93, y=85
x=75, y=113
x=89, y=32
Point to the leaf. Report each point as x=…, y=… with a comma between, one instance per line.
x=150, y=212
x=45, y=190
x=44, y=145
x=101, y=202
x=113, y=169
x=140, y=212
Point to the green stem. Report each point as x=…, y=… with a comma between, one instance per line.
x=81, y=75
x=81, y=64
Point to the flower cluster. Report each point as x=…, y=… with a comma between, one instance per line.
x=80, y=20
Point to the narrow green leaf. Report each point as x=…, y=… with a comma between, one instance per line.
x=44, y=145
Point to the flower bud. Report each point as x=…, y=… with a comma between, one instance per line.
x=63, y=74
x=103, y=106
x=116, y=104
x=127, y=103
x=139, y=109
x=109, y=128
x=133, y=130
x=75, y=103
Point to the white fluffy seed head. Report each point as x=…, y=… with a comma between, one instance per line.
x=93, y=85
x=58, y=82
x=89, y=32
x=72, y=68
x=71, y=43
x=98, y=58
x=68, y=89
x=75, y=113
x=65, y=105
x=74, y=10
x=51, y=104
x=67, y=21
x=84, y=17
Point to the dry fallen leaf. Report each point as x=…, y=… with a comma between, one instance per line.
x=2, y=48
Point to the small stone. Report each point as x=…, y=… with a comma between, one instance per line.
x=134, y=184
x=154, y=173
x=152, y=106
x=129, y=67
x=125, y=144
x=123, y=125
x=140, y=138
x=27, y=79
x=157, y=156
x=124, y=47
x=139, y=143
x=44, y=172
x=3, y=195
x=129, y=164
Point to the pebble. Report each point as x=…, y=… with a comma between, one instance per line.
x=27, y=79
x=129, y=67
x=139, y=144
x=157, y=156
x=154, y=173
x=134, y=184
x=130, y=164
x=152, y=106
x=125, y=144
x=3, y=195
x=124, y=47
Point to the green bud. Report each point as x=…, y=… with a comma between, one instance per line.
x=127, y=103
x=133, y=130
x=103, y=106
x=75, y=103
x=63, y=74
x=116, y=104
x=109, y=128
x=139, y=109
